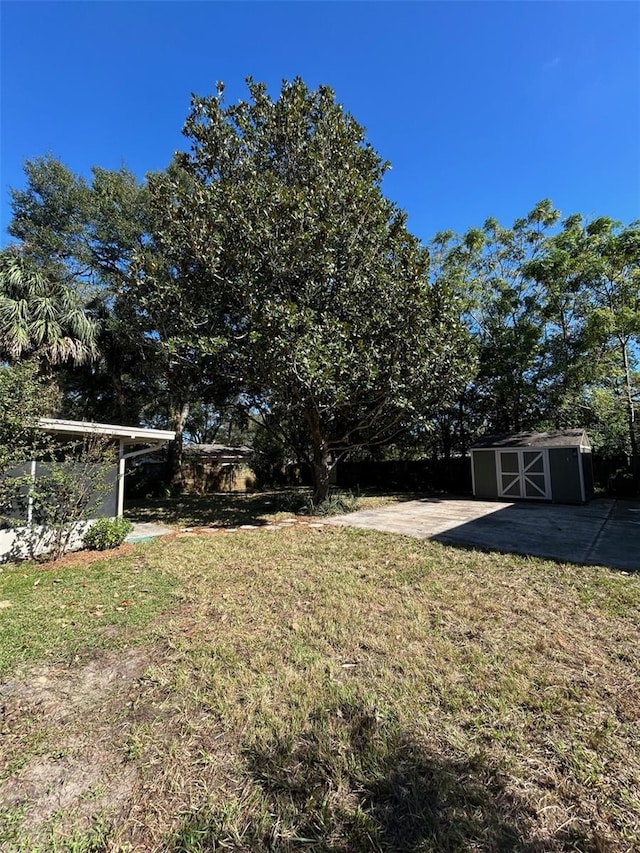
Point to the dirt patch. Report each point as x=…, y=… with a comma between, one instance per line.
x=82, y=783
x=302, y=522
x=70, y=724
x=59, y=692
x=85, y=558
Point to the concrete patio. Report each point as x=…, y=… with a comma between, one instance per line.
x=144, y=530
x=603, y=532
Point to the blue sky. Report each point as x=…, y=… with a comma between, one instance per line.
x=483, y=108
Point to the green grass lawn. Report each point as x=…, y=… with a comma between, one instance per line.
x=321, y=690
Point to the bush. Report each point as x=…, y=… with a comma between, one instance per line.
x=107, y=533
x=335, y=504
x=622, y=485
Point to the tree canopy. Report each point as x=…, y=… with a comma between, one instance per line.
x=553, y=309
x=41, y=316
x=264, y=278
x=328, y=293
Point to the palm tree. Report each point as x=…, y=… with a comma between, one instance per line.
x=41, y=316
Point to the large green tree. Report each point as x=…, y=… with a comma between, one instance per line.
x=83, y=233
x=327, y=297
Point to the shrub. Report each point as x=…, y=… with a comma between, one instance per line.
x=335, y=504
x=71, y=481
x=107, y=533
x=621, y=484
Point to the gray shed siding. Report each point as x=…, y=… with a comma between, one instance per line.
x=107, y=503
x=101, y=504
x=587, y=474
x=485, y=480
x=553, y=466
x=17, y=510
x=564, y=465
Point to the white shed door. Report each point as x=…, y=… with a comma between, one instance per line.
x=523, y=474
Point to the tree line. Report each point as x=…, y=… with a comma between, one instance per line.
x=263, y=284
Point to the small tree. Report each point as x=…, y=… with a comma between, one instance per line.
x=24, y=397
x=71, y=483
x=71, y=480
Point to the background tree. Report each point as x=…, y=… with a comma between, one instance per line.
x=613, y=322
x=503, y=309
x=41, y=316
x=561, y=271
x=554, y=319
x=590, y=272
x=208, y=423
x=105, y=238
x=83, y=234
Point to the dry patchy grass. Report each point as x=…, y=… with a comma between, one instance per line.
x=331, y=690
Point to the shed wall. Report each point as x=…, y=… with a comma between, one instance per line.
x=587, y=474
x=484, y=473
x=565, y=475
x=102, y=502
x=108, y=505
x=18, y=509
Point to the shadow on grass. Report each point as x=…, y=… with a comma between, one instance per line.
x=353, y=782
x=219, y=509
x=230, y=509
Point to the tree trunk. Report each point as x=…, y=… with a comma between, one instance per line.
x=631, y=419
x=461, y=429
x=118, y=387
x=445, y=434
x=320, y=464
x=178, y=415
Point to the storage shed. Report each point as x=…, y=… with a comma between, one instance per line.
x=545, y=466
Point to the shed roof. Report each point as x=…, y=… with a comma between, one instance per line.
x=128, y=435
x=557, y=438
x=217, y=451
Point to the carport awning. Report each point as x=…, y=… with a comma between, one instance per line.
x=125, y=434
x=154, y=439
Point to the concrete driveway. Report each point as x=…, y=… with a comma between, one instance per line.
x=604, y=532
